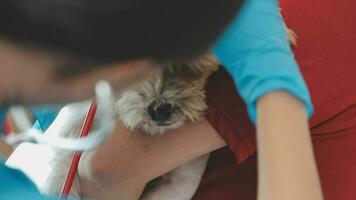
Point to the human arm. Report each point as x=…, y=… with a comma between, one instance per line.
x=256, y=53
x=282, y=134
x=140, y=158
x=286, y=164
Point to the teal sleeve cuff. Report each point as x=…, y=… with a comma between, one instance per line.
x=15, y=185
x=279, y=84
x=255, y=51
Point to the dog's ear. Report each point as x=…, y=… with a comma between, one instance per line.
x=183, y=71
x=194, y=69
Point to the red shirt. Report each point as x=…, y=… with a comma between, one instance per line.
x=325, y=51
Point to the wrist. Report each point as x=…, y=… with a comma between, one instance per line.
x=286, y=163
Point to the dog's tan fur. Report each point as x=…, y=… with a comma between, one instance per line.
x=180, y=84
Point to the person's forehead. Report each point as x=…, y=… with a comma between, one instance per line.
x=38, y=73
x=23, y=51
x=66, y=65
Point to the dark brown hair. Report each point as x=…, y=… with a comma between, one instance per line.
x=118, y=29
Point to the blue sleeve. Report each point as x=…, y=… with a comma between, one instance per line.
x=44, y=116
x=255, y=51
x=14, y=185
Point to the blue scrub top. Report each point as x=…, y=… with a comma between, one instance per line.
x=14, y=185
x=256, y=53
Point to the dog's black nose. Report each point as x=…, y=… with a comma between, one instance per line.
x=160, y=112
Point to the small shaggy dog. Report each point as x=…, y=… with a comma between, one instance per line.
x=166, y=102
x=170, y=100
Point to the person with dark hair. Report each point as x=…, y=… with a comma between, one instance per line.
x=87, y=34
x=54, y=52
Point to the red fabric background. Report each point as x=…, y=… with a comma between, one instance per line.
x=325, y=51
